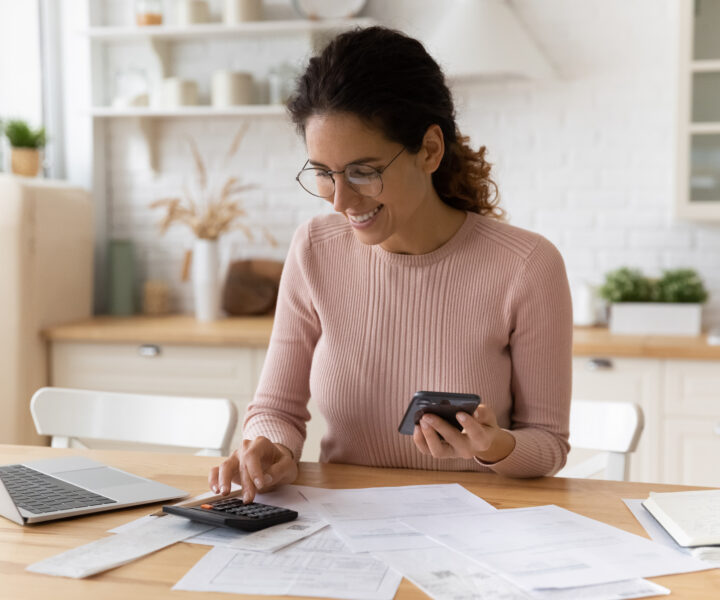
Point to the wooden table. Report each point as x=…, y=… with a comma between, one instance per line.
x=154, y=575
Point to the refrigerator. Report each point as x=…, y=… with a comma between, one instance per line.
x=46, y=278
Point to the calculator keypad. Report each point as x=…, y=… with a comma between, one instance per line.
x=254, y=510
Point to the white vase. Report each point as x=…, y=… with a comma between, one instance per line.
x=206, y=280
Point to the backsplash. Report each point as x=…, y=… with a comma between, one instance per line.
x=586, y=159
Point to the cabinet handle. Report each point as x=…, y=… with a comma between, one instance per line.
x=599, y=364
x=149, y=350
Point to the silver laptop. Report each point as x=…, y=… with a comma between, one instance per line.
x=55, y=488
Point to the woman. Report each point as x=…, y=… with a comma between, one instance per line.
x=416, y=284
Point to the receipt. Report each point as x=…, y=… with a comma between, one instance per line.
x=110, y=552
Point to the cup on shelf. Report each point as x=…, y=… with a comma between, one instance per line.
x=148, y=12
x=175, y=91
x=137, y=100
x=242, y=11
x=192, y=12
x=231, y=88
x=281, y=83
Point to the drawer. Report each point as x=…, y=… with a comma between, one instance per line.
x=190, y=370
x=692, y=388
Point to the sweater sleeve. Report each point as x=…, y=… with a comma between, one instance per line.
x=541, y=353
x=279, y=408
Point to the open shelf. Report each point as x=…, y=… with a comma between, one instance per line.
x=704, y=128
x=213, y=30
x=705, y=66
x=250, y=110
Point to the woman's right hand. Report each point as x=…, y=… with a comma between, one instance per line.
x=259, y=466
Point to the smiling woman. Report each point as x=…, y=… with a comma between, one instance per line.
x=415, y=284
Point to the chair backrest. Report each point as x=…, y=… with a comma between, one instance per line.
x=613, y=428
x=204, y=424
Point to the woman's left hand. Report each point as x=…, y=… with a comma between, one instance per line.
x=481, y=436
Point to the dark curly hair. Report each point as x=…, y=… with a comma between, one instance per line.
x=388, y=79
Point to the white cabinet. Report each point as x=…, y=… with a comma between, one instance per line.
x=681, y=402
x=698, y=120
x=216, y=371
x=626, y=380
x=691, y=428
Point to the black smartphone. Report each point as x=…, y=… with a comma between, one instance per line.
x=443, y=404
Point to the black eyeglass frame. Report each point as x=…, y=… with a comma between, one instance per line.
x=378, y=170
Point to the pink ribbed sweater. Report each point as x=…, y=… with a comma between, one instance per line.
x=360, y=329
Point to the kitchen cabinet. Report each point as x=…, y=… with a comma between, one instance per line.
x=675, y=379
x=681, y=403
x=698, y=119
x=625, y=380
x=218, y=371
x=691, y=422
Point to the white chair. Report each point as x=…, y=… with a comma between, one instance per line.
x=70, y=416
x=613, y=429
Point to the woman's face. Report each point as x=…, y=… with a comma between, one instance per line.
x=336, y=140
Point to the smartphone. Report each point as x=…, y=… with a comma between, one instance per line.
x=443, y=404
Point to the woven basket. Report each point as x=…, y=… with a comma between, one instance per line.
x=25, y=161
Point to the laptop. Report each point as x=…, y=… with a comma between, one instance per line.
x=56, y=488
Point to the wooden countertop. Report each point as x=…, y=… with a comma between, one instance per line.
x=171, y=329
x=255, y=332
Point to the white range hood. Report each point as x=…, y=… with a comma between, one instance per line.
x=484, y=39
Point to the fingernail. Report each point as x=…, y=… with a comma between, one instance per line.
x=424, y=424
x=215, y=489
x=268, y=479
x=224, y=490
x=246, y=498
x=258, y=482
x=462, y=417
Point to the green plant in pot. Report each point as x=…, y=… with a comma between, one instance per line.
x=670, y=305
x=680, y=285
x=26, y=145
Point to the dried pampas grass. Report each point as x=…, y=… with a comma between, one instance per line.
x=212, y=214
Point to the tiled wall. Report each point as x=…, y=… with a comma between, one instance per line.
x=587, y=158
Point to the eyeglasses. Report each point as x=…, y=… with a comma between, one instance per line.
x=364, y=179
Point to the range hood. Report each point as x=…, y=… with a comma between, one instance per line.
x=484, y=39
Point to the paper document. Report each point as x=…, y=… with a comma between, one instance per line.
x=110, y=552
x=550, y=547
x=444, y=574
x=266, y=540
x=320, y=565
x=369, y=519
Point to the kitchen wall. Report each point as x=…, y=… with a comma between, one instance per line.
x=587, y=158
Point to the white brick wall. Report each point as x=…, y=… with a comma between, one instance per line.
x=587, y=159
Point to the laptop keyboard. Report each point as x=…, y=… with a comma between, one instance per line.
x=40, y=493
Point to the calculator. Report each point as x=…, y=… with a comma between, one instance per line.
x=231, y=512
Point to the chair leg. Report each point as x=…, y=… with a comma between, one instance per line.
x=618, y=466
x=60, y=441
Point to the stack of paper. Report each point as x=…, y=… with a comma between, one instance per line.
x=447, y=541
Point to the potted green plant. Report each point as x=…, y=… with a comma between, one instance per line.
x=26, y=144
x=670, y=305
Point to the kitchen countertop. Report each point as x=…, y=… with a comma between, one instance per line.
x=255, y=332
